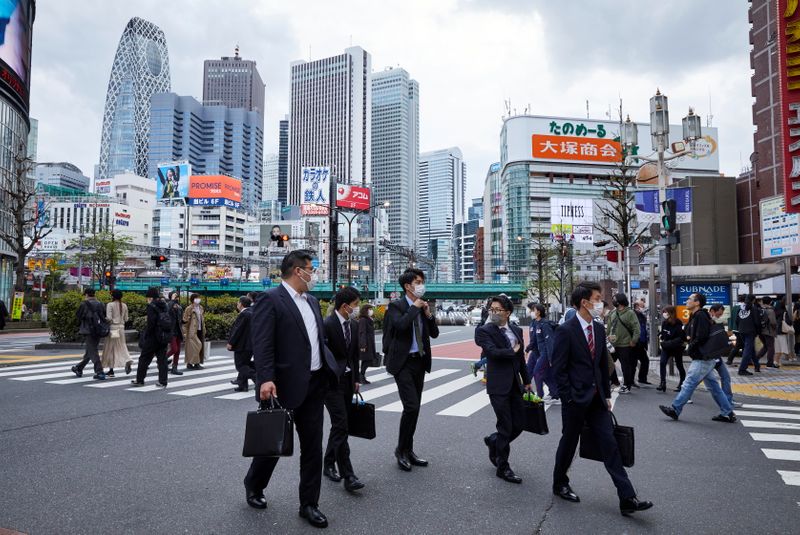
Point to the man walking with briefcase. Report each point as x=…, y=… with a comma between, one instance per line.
x=294, y=366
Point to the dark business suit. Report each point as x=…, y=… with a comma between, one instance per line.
x=408, y=369
x=504, y=369
x=583, y=386
x=239, y=340
x=338, y=450
x=282, y=353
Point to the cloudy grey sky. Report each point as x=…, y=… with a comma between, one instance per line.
x=469, y=56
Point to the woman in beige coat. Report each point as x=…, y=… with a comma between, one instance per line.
x=115, y=351
x=194, y=334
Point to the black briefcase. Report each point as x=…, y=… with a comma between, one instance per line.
x=535, y=417
x=360, y=418
x=269, y=431
x=622, y=433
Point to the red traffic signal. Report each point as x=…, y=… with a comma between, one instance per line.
x=285, y=237
x=159, y=259
x=109, y=274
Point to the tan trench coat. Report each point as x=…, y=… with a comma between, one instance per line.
x=193, y=344
x=115, y=351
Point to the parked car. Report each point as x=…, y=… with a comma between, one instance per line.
x=475, y=316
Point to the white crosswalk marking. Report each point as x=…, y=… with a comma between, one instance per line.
x=211, y=367
x=435, y=392
x=376, y=378
x=782, y=455
x=763, y=414
x=32, y=368
x=776, y=437
x=196, y=381
x=467, y=407
x=26, y=372
x=375, y=393
x=790, y=477
x=790, y=408
x=770, y=425
x=205, y=389
x=787, y=432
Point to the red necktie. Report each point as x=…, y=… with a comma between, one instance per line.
x=590, y=340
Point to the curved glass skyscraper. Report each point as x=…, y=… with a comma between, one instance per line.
x=140, y=69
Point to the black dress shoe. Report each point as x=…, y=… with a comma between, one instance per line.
x=240, y=388
x=199, y=367
x=235, y=382
x=730, y=418
x=745, y=373
x=631, y=505
x=176, y=371
x=492, y=450
x=416, y=461
x=331, y=473
x=128, y=367
x=76, y=371
x=669, y=411
x=255, y=499
x=352, y=484
x=402, y=461
x=314, y=516
x=565, y=492
x=509, y=475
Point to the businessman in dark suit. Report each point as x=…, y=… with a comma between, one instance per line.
x=294, y=366
x=239, y=343
x=409, y=325
x=506, y=376
x=580, y=369
x=341, y=333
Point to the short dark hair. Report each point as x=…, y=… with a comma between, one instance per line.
x=741, y=298
x=294, y=259
x=409, y=275
x=717, y=306
x=583, y=291
x=504, y=301
x=700, y=298
x=531, y=305
x=153, y=292
x=348, y=294
x=245, y=301
x=621, y=299
x=116, y=295
x=254, y=296
x=89, y=292
x=540, y=308
x=174, y=294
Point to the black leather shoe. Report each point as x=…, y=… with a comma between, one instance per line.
x=241, y=388
x=128, y=367
x=731, y=418
x=176, y=371
x=416, y=461
x=565, y=492
x=745, y=373
x=669, y=411
x=492, y=450
x=331, y=473
x=509, y=475
x=255, y=499
x=314, y=516
x=352, y=484
x=137, y=383
x=235, y=382
x=402, y=461
x=76, y=371
x=199, y=367
x=629, y=506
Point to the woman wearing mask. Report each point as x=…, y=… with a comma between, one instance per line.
x=784, y=328
x=672, y=339
x=115, y=351
x=366, y=340
x=194, y=333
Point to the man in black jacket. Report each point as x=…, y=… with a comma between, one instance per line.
x=502, y=343
x=90, y=310
x=698, y=332
x=294, y=366
x=153, y=340
x=409, y=325
x=341, y=334
x=580, y=366
x=239, y=343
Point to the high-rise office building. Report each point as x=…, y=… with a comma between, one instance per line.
x=63, y=175
x=140, y=69
x=464, y=251
x=395, y=152
x=33, y=140
x=215, y=140
x=493, y=260
x=475, y=211
x=442, y=187
x=233, y=83
x=283, y=158
x=270, y=178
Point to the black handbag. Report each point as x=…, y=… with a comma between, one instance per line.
x=535, y=418
x=623, y=434
x=269, y=431
x=717, y=344
x=360, y=418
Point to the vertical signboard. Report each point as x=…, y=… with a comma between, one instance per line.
x=172, y=182
x=16, y=306
x=315, y=187
x=573, y=219
x=788, y=34
x=780, y=232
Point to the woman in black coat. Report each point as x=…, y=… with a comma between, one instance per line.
x=672, y=338
x=366, y=340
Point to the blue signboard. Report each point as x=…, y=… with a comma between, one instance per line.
x=315, y=263
x=683, y=203
x=224, y=282
x=267, y=283
x=716, y=293
x=194, y=282
x=164, y=281
x=636, y=285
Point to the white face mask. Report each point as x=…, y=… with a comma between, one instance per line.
x=354, y=313
x=532, y=314
x=419, y=290
x=196, y=301
x=370, y=312
x=312, y=280
x=665, y=316
x=597, y=309
x=718, y=320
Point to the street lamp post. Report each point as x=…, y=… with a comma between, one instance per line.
x=80, y=259
x=350, y=220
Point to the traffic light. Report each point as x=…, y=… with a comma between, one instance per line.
x=669, y=219
x=159, y=259
x=110, y=278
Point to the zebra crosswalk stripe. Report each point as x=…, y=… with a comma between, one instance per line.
x=375, y=393
x=775, y=437
x=435, y=393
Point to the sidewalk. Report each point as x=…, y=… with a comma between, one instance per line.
x=782, y=383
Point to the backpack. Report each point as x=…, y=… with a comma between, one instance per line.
x=164, y=326
x=100, y=328
x=763, y=320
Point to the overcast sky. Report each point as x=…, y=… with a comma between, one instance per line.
x=469, y=57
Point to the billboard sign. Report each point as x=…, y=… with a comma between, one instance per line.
x=683, y=203
x=173, y=181
x=102, y=187
x=271, y=235
x=780, y=232
x=215, y=190
x=352, y=197
x=573, y=219
x=788, y=16
x=15, y=50
x=315, y=185
x=648, y=209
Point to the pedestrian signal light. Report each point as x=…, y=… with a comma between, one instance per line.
x=668, y=220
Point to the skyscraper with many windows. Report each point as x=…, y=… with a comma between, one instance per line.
x=140, y=69
x=234, y=83
x=283, y=158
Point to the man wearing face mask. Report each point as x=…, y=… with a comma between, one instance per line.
x=580, y=365
x=409, y=325
x=341, y=333
x=154, y=338
x=294, y=366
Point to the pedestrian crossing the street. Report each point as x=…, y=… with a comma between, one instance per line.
x=450, y=390
x=776, y=429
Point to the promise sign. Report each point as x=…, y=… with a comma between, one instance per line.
x=789, y=79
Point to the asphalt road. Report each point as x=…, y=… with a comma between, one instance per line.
x=81, y=459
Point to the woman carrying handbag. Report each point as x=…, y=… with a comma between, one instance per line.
x=784, y=329
x=115, y=351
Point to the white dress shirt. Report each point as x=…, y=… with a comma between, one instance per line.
x=512, y=338
x=585, y=324
x=310, y=321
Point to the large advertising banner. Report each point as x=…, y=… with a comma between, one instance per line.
x=788, y=16
x=173, y=181
x=215, y=190
x=780, y=232
x=352, y=197
x=16, y=306
x=572, y=219
x=315, y=185
x=16, y=20
x=716, y=294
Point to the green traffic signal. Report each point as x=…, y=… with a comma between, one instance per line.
x=669, y=219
